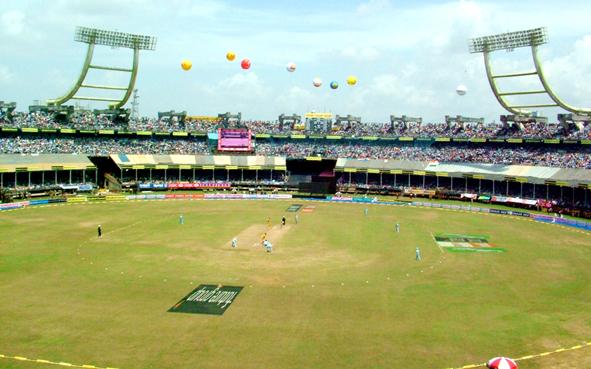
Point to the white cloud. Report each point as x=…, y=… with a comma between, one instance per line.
x=13, y=22
x=362, y=54
x=372, y=6
x=5, y=74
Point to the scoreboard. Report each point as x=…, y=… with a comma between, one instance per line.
x=234, y=139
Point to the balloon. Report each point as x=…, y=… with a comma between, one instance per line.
x=351, y=80
x=334, y=85
x=317, y=82
x=230, y=55
x=461, y=90
x=291, y=67
x=186, y=64
x=245, y=64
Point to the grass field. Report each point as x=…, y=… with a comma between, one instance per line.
x=340, y=290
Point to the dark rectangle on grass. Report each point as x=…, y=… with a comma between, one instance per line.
x=293, y=208
x=207, y=299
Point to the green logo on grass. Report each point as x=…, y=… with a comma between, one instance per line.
x=465, y=243
x=294, y=208
x=207, y=299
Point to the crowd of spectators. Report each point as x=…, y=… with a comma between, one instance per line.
x=99, y=146
x=538, y=156
x=542, y=156
x=88, y=120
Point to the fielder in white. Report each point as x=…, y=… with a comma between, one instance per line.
x=268, y=246
x=234, y=242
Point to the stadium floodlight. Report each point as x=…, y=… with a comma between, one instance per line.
x=114, y=38
x=532, y=38
x=509, y=41
x=94, y=36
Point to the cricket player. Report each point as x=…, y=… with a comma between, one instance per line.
x=181, y=219
x=365, y=211
x=283, y=220
x=234, y=242
x=397, y=227
x=297, y=219
x=263, y=238
x=418, y=254
x=100, y=231
x=269, y=222
x=268, y=246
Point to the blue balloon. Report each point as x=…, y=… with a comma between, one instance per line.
x=334, y=85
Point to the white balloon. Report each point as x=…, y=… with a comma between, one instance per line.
x=461, y=90
x=317, y=82
x=291, y=67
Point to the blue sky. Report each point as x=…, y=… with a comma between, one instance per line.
x=409, y=56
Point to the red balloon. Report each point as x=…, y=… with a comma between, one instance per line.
x=245, y=64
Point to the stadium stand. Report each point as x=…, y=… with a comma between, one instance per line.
x=544, y=165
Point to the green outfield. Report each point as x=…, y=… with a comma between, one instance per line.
x=340, y=290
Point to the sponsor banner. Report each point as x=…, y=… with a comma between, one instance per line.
x=207, y=299
x=146, y=197
x=14, y=205
x=196, y=185
x=85, y=188
x=293, y=208
x=76, y=199
x=38, y=202
x=96, y=198
x=365, y=199
x=245, y=196
x=68, y=187
x=520, y=214
x=509, y=212
x=152, y=186
x=52, y=201
x=116, y=197
x=184, y=196
x=515, y=200
x=340, y=198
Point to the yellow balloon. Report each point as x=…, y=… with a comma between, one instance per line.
x=230, y=55
x=351, y=80
x=186, y=64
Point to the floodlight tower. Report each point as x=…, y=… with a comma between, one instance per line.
x=508, y=41
x=92, y=37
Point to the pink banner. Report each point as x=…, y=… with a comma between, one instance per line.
x=196, y=185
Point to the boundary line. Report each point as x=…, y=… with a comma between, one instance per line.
x=529, y=357
x=469, y=366
x=437, y=243
x=49, y=362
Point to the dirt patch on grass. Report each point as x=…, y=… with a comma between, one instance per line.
x=252, y=236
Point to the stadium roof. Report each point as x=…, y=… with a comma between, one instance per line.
x=199, y=161
x=11, y=163
x=498, y=172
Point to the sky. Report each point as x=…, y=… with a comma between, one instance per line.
x=408, y=56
